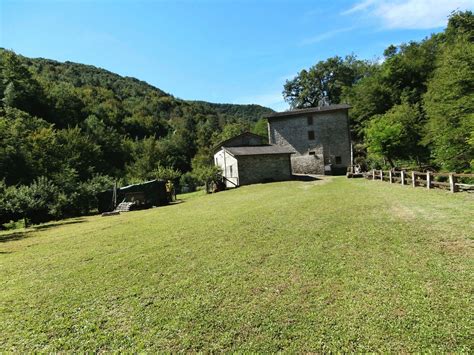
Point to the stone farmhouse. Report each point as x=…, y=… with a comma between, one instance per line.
x=318, y=136
x=247, y=159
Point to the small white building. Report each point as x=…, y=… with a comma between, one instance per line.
x=246, y=159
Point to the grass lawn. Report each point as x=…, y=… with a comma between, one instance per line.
x=297, y=266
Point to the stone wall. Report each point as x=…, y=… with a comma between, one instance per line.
x=331, y=140
x=264, y=168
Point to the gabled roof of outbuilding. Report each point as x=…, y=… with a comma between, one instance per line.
x=258, y=150
x=309, y=110
x=250, y=134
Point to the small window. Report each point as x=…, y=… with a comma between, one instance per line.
x=311, y=135
x=310, y=120
x=338, y=160
x=312, y=153
x=230, y=171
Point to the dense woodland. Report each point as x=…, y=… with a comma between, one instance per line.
x=413, y=109
x=68, y=131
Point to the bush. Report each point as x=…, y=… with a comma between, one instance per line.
x=166, y=173
x=38, y=202
x=43, y=200
x=188, y=182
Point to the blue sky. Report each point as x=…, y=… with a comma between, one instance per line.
x=233, y=51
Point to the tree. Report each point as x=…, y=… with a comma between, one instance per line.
x=230, y=130
x=7, y=210
x=66, y=108
x=396, y=134
x=261, y=127
x=37, y=202
x=401, y=78
x=206, y=174
x=324, y=82
x=113, y=147
x=19, y=88
x=79, y=152
x=145, y=159
x=449, y=101
x=18, y=162
x=166, y=173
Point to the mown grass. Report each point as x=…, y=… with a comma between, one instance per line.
x=349, y=265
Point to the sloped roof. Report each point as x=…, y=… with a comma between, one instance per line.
x=258, y=150
x=309, y=110
x=140, y=185
x=249, y=134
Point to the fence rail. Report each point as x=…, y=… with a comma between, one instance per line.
x=424, y=179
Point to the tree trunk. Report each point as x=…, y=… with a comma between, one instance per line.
x=390, y=162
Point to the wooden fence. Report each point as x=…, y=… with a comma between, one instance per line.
x=449, y=181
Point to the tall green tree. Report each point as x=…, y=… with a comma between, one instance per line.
x=449, y=102
x=324, y=82
x=401, y=78
x=18, y=87
x=396, y=135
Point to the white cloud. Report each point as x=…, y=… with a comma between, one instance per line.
x=324, y=36
x=359, y=6
x=410, y=14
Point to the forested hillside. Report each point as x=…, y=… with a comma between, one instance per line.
x=68, y=130
x=413, y=109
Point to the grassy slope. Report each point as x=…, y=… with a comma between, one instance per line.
x=349, y=264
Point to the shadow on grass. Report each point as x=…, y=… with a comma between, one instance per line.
x=305, y=178
x=17, y=235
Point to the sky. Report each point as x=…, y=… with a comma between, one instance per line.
x=227, y=51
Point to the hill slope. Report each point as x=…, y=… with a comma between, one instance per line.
x=97, y=122
x=260, y=268
x=82, y=75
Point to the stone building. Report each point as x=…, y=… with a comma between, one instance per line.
x=318, y=136
x=247, y=159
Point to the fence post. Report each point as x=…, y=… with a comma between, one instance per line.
x=452, y=183
x=390, y=177
x=381, y=175
x=402, y=177
x=428, y=180
x=373, y=174
x=413, y=179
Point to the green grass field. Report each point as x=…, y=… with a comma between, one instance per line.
x=349, y=265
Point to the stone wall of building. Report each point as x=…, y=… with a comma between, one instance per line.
x=330, y=146
x=264, y=168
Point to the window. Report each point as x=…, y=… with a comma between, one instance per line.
x=230, y=171
x=338, y=160
x=311, y=135
x=310, y=120
x=312, y=153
